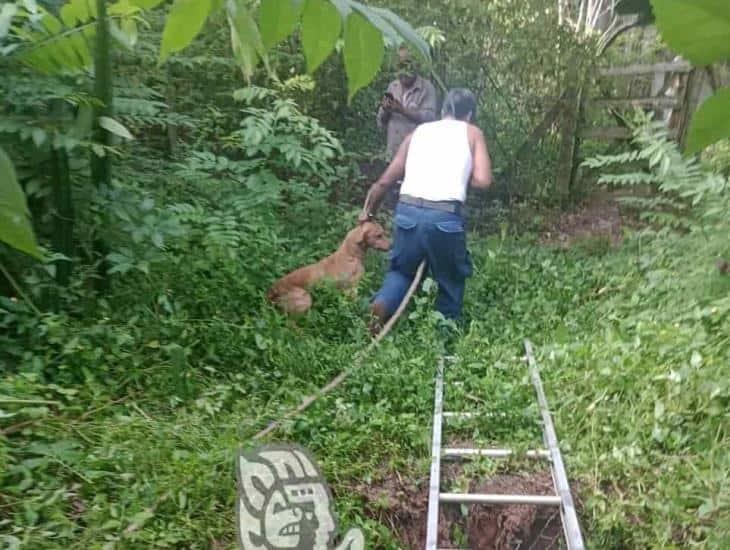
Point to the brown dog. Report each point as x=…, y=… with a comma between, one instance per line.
x=345, y=268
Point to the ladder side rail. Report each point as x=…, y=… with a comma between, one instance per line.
x=573, y=536
x=435, y=480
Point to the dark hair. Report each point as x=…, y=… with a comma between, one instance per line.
x=459, y=102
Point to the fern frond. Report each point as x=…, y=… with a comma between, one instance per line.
x=601, y=161
x=682, y=182
x=633, y=178
x=64, y=46
x=250, y=94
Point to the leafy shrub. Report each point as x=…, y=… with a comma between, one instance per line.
x=683, y=185
x=288, y=142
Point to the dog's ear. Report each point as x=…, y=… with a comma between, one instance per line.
x=361, y=233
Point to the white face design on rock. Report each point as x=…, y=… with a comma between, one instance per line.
x=284, y=502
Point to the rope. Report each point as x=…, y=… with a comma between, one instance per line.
x=337, y=380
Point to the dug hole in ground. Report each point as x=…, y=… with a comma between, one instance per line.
x=402, y=504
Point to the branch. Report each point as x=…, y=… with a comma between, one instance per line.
x=17, y=289
x=615, y=30
x=581, y=16
x=599, y=14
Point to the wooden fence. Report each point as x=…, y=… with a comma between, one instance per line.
x=674, y=96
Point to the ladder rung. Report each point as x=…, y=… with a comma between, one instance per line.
x=460, y=415
x=471, y=414
x=477, y=498
x=492, y=453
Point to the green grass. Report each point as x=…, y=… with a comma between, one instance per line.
x=134, y=444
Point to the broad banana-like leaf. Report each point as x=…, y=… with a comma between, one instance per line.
x=184, y=22
x=363, y=52
x=15, y=227
x=405, y=30
x=711, y=122
x=699, y=30
x=246, y=41
x=321, y=27
x=278, y=19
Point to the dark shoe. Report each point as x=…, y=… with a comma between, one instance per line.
x=448, y=336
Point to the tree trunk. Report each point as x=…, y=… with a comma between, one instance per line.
x=101, y=165
x=63, y=216
x=171, y=97
x=511, y=175
x=569, y=143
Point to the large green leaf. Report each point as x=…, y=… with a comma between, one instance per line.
x=321, y=26
x=74, y=12
x=408, y=33
x=711, y=122
x=146, y=4
x=277, y=19
x=246, y=41
x=184, y=22
x=391, y=36
x=363, y=52
x=697, y=29
x=393, y=28
x=344, y=7
x=15, y=227
x=115, y=127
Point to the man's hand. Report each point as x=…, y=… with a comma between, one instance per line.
x=392, y=105
x=363, y=217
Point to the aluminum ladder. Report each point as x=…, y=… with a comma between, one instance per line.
x=562, y=497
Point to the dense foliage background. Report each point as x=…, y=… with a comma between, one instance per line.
x=138, y=352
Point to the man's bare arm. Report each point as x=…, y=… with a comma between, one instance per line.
x=481, y=176
x=395, y=171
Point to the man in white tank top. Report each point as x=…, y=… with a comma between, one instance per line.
x=438, y=162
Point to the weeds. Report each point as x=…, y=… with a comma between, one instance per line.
x=132, y=443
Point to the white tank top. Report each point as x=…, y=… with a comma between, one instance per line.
x=439, y=163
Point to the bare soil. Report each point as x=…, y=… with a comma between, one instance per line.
x=514, y=526
x=598, y=217
x=402, y=506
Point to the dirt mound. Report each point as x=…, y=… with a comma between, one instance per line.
x=514, y=526
x=597, y=218
x=403, y=507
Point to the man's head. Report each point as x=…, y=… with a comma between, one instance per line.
x=407, y=68
x=460, y=104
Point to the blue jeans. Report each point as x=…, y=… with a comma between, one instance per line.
x=439, y=238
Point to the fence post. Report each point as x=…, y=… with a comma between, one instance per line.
x=569, y=143
x=690, y=102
